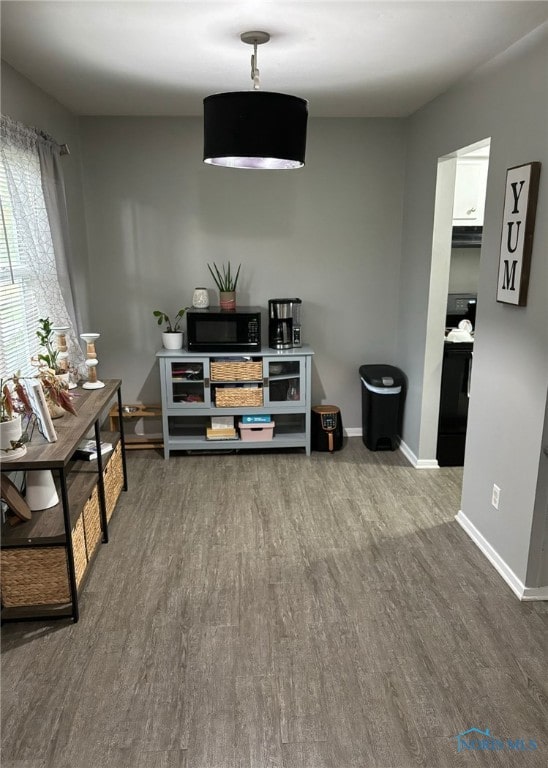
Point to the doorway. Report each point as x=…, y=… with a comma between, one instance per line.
x=452, y=269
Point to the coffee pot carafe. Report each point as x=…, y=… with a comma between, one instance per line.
x=284, y=323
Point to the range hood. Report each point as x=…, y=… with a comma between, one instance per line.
x=466, y=237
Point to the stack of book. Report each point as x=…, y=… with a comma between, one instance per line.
x=222, y=428
x=87, y=450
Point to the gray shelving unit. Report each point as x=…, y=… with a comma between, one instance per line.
x=194, y=389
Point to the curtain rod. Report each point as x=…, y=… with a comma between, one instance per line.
x=29, y=130
x=63, y=148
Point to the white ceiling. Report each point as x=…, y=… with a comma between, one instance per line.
x=362, y=59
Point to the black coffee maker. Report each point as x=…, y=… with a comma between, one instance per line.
x=284, y=323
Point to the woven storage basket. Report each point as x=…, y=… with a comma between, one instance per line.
x=237, y=396
x=236, y=371
x=79, y=550
x=34, y=576
x=113, y=479
x=92, y=522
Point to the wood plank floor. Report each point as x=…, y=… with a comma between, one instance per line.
x=281, y=611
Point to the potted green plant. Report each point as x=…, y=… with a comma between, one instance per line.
x=50, y=356
x=172, y=336
x=14, y=404
x=227, y=282
x=53, y=370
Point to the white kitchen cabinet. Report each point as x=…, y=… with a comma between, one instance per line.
x=470, y=189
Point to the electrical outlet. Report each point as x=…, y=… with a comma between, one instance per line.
x=495, y=497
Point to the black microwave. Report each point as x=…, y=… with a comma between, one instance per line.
x=220, y=330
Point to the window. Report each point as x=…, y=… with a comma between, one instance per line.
x=18, y=311
x=29, y=282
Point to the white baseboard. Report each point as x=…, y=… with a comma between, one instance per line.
x=404, y=448
x=353, y=432
x=535, y=593
x=417, y=463
x=515, y=584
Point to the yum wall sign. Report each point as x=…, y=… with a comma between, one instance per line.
x=518, y=226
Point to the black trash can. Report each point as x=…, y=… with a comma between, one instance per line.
x=383, y=397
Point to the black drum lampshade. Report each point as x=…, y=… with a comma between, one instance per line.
x=255, y=129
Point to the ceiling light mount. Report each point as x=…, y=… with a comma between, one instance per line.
x=255, y=129
x=255, y=39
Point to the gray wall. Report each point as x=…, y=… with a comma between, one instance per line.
x=23, y=101
x=537, y=572
x=329, y=233
x=506, y=101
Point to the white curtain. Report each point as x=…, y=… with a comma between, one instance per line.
x=35, y=279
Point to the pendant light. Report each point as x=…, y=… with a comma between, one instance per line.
x=255, y=129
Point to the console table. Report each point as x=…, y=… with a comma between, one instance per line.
x=44, y=561
x=197, y=387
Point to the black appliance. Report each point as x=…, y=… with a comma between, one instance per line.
x=327, y=428
x=466, y=237
x=284, y=323
x=460, y=306
x=454, y=398
x=383, y=398
x=217, y=330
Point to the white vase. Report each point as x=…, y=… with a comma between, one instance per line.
x=172, y=340
x=11, y=431
x=200, y=298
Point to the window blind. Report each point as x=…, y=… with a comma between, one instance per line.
x=18, y=310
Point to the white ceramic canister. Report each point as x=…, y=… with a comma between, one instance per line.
x=200, y=298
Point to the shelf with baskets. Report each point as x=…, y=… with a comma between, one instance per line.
x=46, y=559
x=197, y=387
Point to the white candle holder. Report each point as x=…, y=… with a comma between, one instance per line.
x=63, y=356
x=91, y=361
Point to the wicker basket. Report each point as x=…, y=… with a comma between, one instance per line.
x=79, y=550
x=92, y=523
x=34, y=576
x=238, y=396
x=236, y=371
x=113, y=478
x=39, y=575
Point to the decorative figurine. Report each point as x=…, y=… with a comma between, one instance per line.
x=63, y=361
x=61, y=343
x=91, y=361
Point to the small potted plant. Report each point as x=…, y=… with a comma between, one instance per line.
x=50, y=356
x=14, y=404
x=172, y=336
x=53, y=370
x=227, y=283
